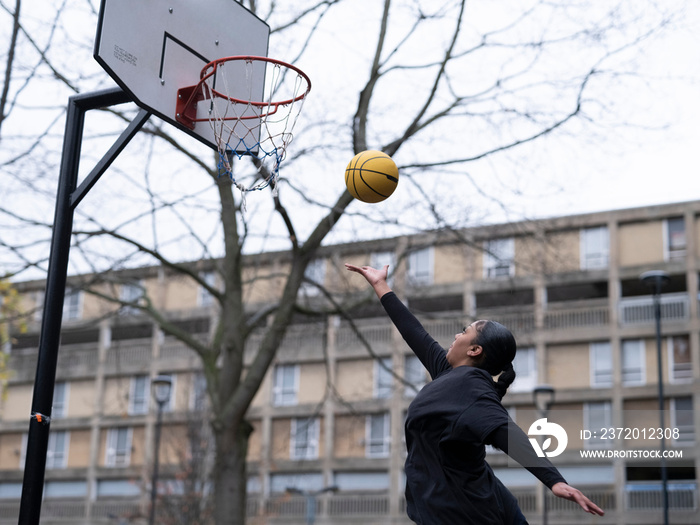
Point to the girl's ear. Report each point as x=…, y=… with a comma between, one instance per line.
x=475, y=351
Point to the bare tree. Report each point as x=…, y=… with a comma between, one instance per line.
x=189, y=503
x=10, y=60
x=446, y=88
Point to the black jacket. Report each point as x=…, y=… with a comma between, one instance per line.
x=448, y=424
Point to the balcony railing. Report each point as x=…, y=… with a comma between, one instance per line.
x=582, y=316
x=639, y=497
x=605, y=499
x=9, y=510
x=640, y=310
x=131, y=353
x=72, y=511
x=358, y=505
x=649, y=496
x=518, y=320
x=370, y=505
x=348, y=337
x=378, y=336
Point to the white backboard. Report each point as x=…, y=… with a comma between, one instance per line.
x=152, y=48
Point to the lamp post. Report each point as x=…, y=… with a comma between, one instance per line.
x=656, y=280
x=311, y=500
x=543, y=397
x=161, y=386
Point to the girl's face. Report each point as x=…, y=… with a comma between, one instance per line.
x=459, y=352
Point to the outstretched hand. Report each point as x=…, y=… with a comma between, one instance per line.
x=565, y=491
x=376, y=278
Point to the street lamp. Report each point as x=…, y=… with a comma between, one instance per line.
x=161, y=386
x=543, y=398
x=311, y=500
x=656, y=280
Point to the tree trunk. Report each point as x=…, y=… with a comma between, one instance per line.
x=230, y=477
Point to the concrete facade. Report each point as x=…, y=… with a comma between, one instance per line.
x=330, y=411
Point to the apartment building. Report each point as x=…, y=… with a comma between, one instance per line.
x=327, y=445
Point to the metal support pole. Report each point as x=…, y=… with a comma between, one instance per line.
x=659, y=362
x=310, y=509
x=156, y=464
x=543, y=398
x=656, y=280
x=45, y=379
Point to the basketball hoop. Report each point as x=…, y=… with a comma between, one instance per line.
x=241, y=125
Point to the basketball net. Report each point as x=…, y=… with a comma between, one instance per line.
x=246, y=127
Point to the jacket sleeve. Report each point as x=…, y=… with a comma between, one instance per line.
x=427, y=349
x=510, y=438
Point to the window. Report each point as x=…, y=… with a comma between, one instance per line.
x=57, y=452
x=381, y=259
x=383, y=378
x=361, y=481
x=377, y=442
x=601, y=364
x=65, y=489
x=633, y=369
x=414, y=374
x=130, y=293
x=72, y=304
x=675, y=238
x=107, y=488
x=204, y=297
x=525, y=366
x=10, y=490
x=499, y=255
x=597, y=416
x=595, y=249
x=118, y=452
x=138, y=395
x=254, y=485
x=681, y=364
x=304, y=481
x=315, y=273
x=304, y=438
x=60, y=400
x=200, y=400
x=420, y=267
x=682, y=419
x=286, y=384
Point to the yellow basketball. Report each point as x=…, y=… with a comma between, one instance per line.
x=371, y=176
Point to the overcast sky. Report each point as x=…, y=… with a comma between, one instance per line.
x=646, y=166
x=651, y=159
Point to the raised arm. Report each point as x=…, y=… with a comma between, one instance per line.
x=513, y=441
x=376, y=278
x=427, y=349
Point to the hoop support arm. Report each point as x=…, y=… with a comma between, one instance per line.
x=186, y=106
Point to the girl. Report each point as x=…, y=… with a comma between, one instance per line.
x=448, y=424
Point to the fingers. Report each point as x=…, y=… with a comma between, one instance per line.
x=567, y=492
x=590, y=507
x=359, y=269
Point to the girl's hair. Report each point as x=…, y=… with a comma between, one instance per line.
x=499, y=348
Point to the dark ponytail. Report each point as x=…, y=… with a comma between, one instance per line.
x=499, y=348
x=505, y=380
